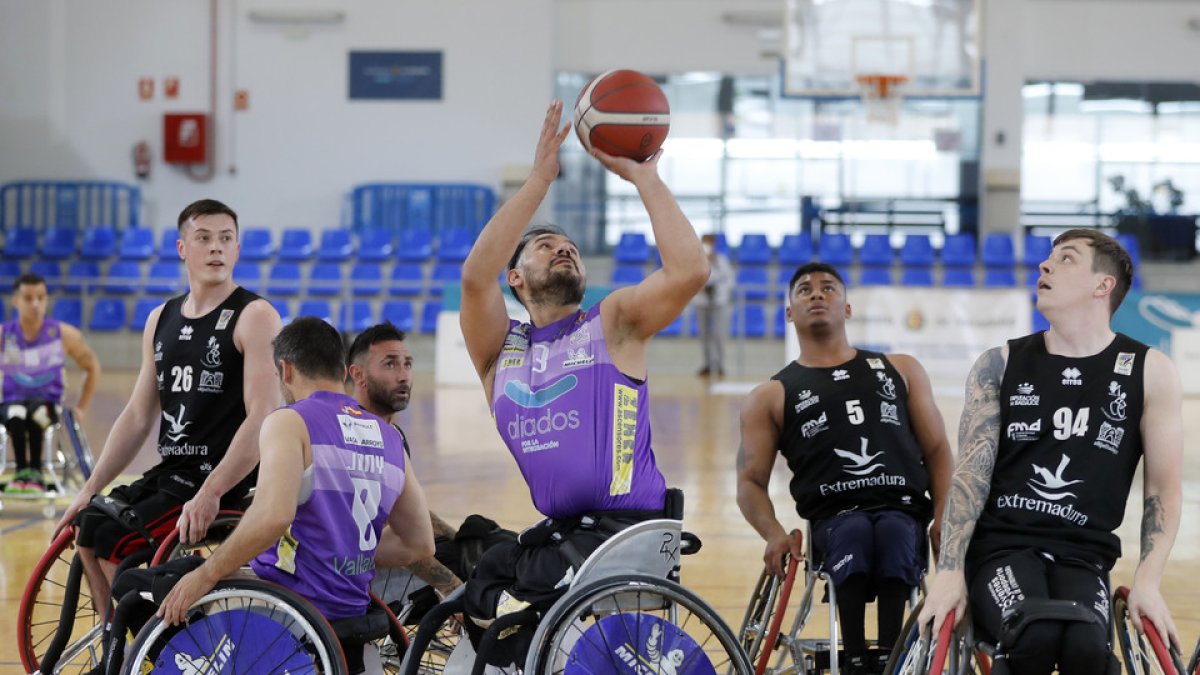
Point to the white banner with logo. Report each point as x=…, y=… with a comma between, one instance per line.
x=945, y=329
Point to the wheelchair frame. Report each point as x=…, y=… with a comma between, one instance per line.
x=66, y=457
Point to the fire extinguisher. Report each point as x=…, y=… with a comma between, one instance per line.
x=141, y=160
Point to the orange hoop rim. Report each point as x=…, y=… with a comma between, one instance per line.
x=883, y=85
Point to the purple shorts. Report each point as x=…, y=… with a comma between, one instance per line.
x=879, y=544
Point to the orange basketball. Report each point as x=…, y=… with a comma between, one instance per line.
x=623, y=113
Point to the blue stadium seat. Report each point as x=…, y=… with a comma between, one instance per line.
x=782, y=278
x=444, y=273
x=958, y=277
x=754, y=250
x=257, y=245
x=163, y=278
x=355, y=316
x=318, y=308
x=59, y=243
x=998, y=251
x=1130, y=243
x=414, y=245
x=875, y=276
x=141, y=313
x=366, y=279
x=454, y=244
x=296, y=245
x=108, y=314
x=627, y=275
x=248, y=275
x=283, y=307
x=399, y=312
x=407, y=279
x=917, y=251
x=166, y=245
x=996, y=277
x=9, y=271
x=429, y=316
x=781, y=322
x=835, y=249
x=632, y=249
x=68, y=310
x=336, y=246
x=754, y=318
x=284, y=279
x=958, y=251
x=1031, y=277
x=753, y=283
x=50, y=271
x=916, y=276
x=20, y=243
x=137, y=243
x=876, y=251
x=82, y=275
x=375, y=244
x=720, y=242
x=1037, y=249
x=325, y=279
x=99, y=243
x=124, y=278
x=795, y=250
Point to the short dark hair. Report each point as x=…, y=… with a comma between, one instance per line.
x=1108, y=257
x=28, y=279
x=531, y=234
x=205, y=207
x=313, y=347
x=380, y=332
x=809, y=268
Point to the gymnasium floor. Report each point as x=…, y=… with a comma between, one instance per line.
x=465, y=469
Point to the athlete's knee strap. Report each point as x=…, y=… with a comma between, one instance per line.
x=1017, y=617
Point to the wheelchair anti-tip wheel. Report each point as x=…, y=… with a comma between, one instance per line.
x=631, y=621
x=242, y=626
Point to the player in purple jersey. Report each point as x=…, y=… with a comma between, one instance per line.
x=32, y=358
x=869, y=458
x=205, y=383
x=568, y=389
x=1034, y=501
x=336, y=474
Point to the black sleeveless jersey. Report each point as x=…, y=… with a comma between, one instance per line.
x=199, y=372
x=847, y=439
x=1070, y=441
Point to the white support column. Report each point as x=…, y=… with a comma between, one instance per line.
x=1004, y=55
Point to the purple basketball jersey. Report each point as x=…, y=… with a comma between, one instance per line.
x=328, y=553
x=33, y=370
x=578, y=427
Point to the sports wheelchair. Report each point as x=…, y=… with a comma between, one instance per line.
x=761, y=634
x=66, y=458
x=58, y=626
x=624, y=610
x=956, y=650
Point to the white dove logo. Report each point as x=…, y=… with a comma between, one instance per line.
x=1053, y=486
x=178, y=426
x=859, y=462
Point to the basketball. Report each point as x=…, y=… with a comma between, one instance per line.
x=623, y=113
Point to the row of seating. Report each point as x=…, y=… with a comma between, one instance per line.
x=959, y=251
x=258, y=245
x=115, y=314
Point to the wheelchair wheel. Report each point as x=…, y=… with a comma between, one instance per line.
x=764, y=615
x=1145, y=653
x=241, y=626
x=435, y=640
x=630, y=621
x=58, y=592
x=1194, y=663
x=222, y=526
x=950, y=652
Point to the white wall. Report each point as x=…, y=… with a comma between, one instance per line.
x=69, y=69
x=74, y=66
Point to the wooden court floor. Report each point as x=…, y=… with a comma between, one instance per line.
x=464, y=468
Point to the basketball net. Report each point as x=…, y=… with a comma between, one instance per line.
x=882, y=95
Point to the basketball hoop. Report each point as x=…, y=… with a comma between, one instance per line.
x=882, y=95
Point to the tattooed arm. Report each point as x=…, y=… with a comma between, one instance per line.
x=1162, y=451
x=978, y=437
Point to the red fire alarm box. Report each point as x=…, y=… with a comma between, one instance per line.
x=185, y=138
